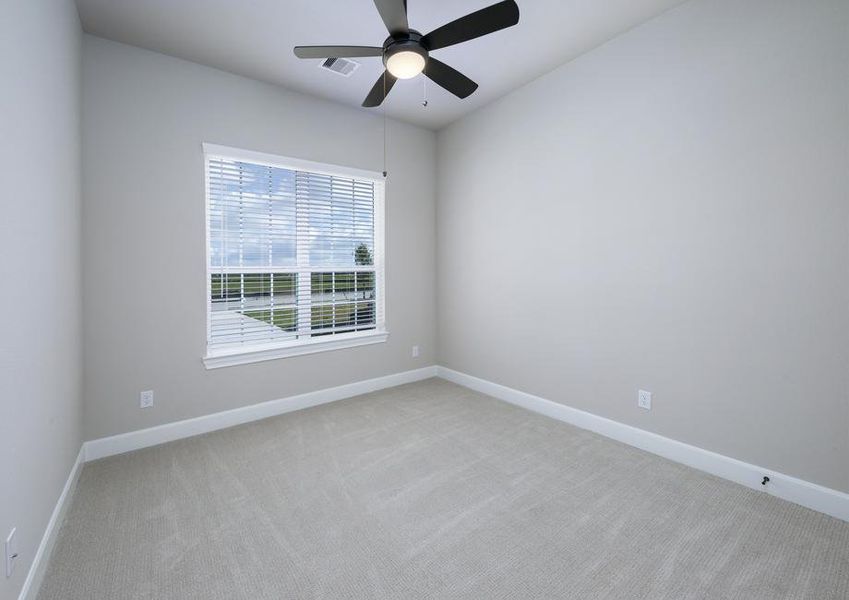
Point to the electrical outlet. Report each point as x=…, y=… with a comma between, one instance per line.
x=146, y=399
x=415, y=351
x=644, y=399
x=11, y=552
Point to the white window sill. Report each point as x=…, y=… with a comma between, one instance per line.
x=251, y=354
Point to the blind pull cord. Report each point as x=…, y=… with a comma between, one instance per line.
x=383, y=105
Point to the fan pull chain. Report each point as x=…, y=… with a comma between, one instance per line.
x=424, y=92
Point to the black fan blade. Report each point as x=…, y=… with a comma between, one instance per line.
x=380, y=89
x=449, y=78
x=394, y=14
x=336, y=51
x=487, y=20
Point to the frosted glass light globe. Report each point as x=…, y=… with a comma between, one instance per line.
x=405, y=65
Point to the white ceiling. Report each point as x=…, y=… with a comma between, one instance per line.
x=255, y=38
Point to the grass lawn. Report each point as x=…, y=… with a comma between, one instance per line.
x=286, y=284
x=321, y=317
x=285, y=318
x=254, y=284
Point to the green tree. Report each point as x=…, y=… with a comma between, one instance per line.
x=362, y=255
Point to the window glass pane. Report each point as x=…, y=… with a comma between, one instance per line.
x=252, y=215
x=253, y=307
x=341, y=219
x=342, y=301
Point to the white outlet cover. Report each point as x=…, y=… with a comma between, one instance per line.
x=11, y=552
x=146, y=399
x=644, y=399
x=415, y=351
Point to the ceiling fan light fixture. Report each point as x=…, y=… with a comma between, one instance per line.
x=406, y=52
x=405, y=64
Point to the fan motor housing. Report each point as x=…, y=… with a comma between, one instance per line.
x=405, y=42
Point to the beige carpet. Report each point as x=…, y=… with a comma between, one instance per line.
x=430, y=490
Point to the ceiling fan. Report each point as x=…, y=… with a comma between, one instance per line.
x=406, y=52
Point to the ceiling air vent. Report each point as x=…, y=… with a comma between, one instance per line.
x=340, y=66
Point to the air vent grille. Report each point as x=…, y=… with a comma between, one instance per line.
x=341, y=66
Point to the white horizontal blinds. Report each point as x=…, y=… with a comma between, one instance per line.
x=291, y=254
x=252, y=238
x=339, y=248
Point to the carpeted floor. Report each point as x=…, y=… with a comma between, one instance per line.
x=430, y=490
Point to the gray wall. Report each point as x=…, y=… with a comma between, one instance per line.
x=40, y=293
x=668, y=212
x=145, y=116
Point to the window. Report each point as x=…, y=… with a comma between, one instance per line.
x=294, y=257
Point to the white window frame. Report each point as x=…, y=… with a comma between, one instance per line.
x=226, y=357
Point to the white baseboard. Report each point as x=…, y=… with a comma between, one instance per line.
x=39, y=562
x=143, y=438
x=809, y=495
